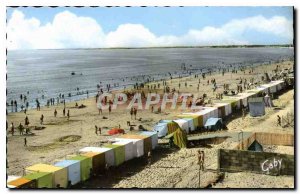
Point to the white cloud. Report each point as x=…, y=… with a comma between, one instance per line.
x=66, y=31
x=133, y=35
x=70, y=31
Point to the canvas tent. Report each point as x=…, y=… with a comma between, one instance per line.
x=73, y=167
x=255, y=146
x=60, y=175
x=214, y=123
x=180, y=138
x=256, y=106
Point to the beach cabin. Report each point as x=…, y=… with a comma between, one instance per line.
x=119, y=153
x=153, y=136
x=129, y=152
x=41, y=179
x=222, y=113
x=146, y=140
x=98, y=161
x=190, y=123
x=109, y=153
x=19, y=182
x=197, y=119
x=86, y=166
x=256, y=106
x=161, y=129
x=60, y=174
x=183, y=124
x=10, y=178
x=138, y=146
x=73, y=167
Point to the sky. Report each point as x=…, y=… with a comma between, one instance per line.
x=104, y=27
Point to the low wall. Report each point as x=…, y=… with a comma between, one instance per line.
x=267, y=139
x=275, y=139
x=259, y=162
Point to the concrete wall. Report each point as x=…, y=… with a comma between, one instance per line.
x=259, y=162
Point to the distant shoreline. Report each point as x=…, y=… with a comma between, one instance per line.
x=172, y=47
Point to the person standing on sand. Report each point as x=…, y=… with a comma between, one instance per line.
x=64, y=112
x=135, y=112
x=100, y=111
x=201, y=159
x=131, y=112
x=42, y=119
x=26, y=121
x=96, y=129
x=55, y=113
x=21, y=128
x=25, y=142
x=12, y=128
x=278, y=120
x=68, y=114
x=99, y=130
x=152, y=108
x=109, y=109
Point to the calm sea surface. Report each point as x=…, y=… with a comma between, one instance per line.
x=48, y=72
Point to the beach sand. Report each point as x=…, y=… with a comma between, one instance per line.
x=172, y=169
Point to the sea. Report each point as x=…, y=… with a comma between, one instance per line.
x=44, y=74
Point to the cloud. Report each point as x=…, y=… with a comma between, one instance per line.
x=68, y=30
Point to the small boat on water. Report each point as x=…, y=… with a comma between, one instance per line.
x=73, y=73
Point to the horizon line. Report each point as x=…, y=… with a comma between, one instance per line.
x=162, y=47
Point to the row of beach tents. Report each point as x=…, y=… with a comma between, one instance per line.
x=89, y=161
x=220, y=109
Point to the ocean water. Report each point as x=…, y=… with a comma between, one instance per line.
x=48, y=72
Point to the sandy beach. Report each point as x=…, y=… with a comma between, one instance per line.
x=171, y=168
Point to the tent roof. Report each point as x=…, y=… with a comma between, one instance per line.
x=212, y=121
x=257, y=99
